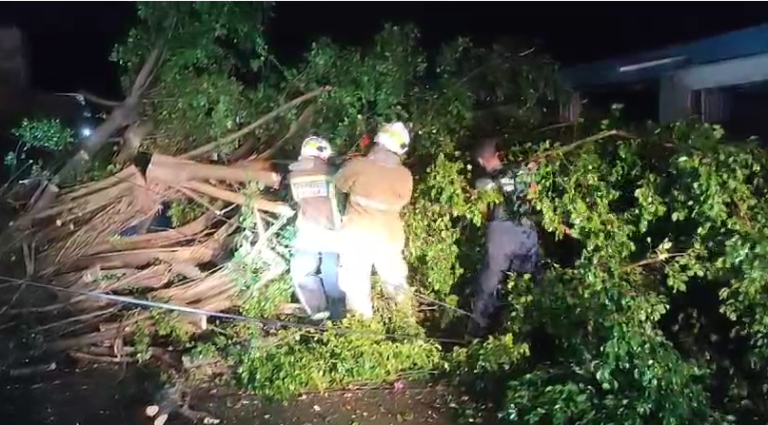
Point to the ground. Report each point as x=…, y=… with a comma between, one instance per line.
x=105, y=394
x=99, y=394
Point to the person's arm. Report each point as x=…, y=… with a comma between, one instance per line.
x=282, y=179
x=481, y=185
x=345, y=178
x=406, y=192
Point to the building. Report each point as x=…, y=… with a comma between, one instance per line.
x=722, y=79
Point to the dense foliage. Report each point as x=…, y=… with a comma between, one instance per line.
x=652, y=307
x=37, y=141
x=43, y=144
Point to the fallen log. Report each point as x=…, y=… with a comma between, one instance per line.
x=190, y=232
x=172, y=171
x=237, y=198
x=77, y=232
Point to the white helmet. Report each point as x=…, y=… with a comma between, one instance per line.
x=316, y=147
x=394, y=137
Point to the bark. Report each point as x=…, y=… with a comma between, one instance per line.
x=188, y=233
x=132, y=141
x=237, y=198
x=172, y=171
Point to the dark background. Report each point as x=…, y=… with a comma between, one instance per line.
x=69, y=43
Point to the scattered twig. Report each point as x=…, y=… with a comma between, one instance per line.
x=197, y=416
x=106, y=359
x=13, y=300
x=260, y=229
x=77, y=318
x=555, y=126
x=658, y=259
x=99, y=100
x=29, y=258
x=30, y=370
x=175, y=398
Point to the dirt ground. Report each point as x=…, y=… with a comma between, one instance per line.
x=374, y=407
x=98, y=395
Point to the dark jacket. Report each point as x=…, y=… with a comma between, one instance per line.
x=513, y=184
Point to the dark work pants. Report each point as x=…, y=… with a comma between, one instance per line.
x=510, y=247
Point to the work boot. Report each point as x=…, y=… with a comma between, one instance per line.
x=312, y=298
x=320, y=317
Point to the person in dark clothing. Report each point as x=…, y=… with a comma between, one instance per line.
x=512, y=243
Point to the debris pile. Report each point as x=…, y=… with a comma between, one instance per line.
x=100, y=237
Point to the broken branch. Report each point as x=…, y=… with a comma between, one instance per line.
x=261, y=121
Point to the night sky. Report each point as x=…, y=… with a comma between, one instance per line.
x=69, y=43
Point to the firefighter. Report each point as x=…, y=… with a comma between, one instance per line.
x=316, y=244
x=378, y=187
x=512, y=243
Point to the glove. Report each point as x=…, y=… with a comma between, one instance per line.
x=335, y=161
x=484, y=184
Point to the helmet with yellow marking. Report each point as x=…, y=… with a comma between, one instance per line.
x=394, y=137
x=316, y=147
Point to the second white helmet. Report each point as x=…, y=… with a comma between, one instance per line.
x=316, y=147
x=394, y=137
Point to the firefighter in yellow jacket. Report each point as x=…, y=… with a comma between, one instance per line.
x=316, y=244
x=372, y=233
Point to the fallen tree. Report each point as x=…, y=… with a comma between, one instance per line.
x=637, y=224
x=75, y=233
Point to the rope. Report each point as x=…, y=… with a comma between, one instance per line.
x=235, y=317
x=442, y=304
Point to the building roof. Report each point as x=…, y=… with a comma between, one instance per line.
x=652, y=64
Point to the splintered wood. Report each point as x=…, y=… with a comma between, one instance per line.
x=96, y=237
x=79, y=247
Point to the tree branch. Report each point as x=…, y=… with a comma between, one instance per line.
x=146, y=74
x=563, y=149
x=99, y=100
x=261, y=121
x=304, y=119
x=658, y=259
